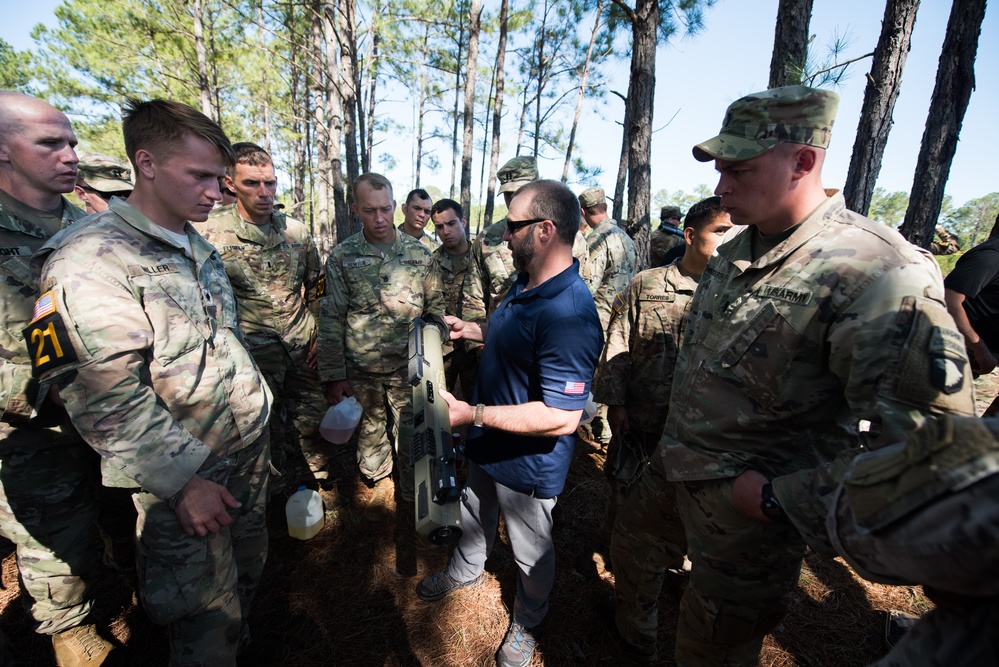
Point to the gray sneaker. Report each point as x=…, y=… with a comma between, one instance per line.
x=518, y=647
x=438, y=585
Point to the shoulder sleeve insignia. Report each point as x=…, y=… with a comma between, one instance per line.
x=321, y=284
x=618, y=304
x=48, y=342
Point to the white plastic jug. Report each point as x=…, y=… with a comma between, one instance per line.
x=305, y=514
x=341, y=420
x=589, y=411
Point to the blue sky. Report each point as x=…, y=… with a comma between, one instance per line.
x=698, y=77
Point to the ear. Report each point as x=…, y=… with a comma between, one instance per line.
x=229, y=183
x=805, y=163
x=688, y=235
x=145, y=163
x=81, y=193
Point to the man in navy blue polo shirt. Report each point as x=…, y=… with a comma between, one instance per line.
x=534, y=377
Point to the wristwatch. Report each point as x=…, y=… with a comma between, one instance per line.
x=770, y=506
x=477, y=421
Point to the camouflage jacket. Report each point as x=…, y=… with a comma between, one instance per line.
x=491, y=273
x=844, y=320
x=663, y=239
x=20, y=238
x=636, y=367
x=612, y=265
x=426, y=239
x=452, y=270
x=146, y=348
x=369, y=303
x=274, y=270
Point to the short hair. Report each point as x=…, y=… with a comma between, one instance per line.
x=703, y=212
x=597, y=208
x=553, y=201
x=374, y=181
x=249, y=154
x=418, y=192
x=159, y=126
x=442, y=205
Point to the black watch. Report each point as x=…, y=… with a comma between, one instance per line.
x=770, y=506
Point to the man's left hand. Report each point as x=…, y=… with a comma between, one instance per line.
x=459, y=412
x=312, y=361
x=747, y=494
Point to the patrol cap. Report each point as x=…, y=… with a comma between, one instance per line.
x=592, y=197
x=758, y=122
x=668, y=212
x=103, y=173
x=516, y=173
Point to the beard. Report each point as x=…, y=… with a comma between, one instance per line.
x=523, y=252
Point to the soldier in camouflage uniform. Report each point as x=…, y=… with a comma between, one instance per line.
x=611, y=260
x=274, y=269
x=99, y=178
x=417, y=212
x=491, y=271
x=452, y=261
x=138, y=326
x=944, y=243
x=808, y=320
x=46, y=470
x=377, y=281
x=922, y=511
x=634, y=378
x=666, y=236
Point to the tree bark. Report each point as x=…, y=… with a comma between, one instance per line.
x=299, y=110
x=582, y=91
x=883, y=86
x=422, y=106
x=348, y=87
x=457, y=89
x=474, y=22
x=497, y=113
x=204, y=86
x=622, y=167
x=951, y=94
x=790, y=42
x=322, y=230
x=373, y=68
x=641, y=93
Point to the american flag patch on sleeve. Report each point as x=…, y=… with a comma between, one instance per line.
x=45, y=305
x=574, y=387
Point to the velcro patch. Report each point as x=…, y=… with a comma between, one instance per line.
x=359, y=263
x=413, y=262
x=15, y=251
x=48, y=342
x=618, y=304
x=151, y=270
x=784, y=294
x=321, y=285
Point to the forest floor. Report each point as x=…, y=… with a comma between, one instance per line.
x=346, y=597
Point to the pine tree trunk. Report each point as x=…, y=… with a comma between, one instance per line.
x=457, y=93
x=622, y=167
x=790, y=42
x=883, y=86
x=348, y=89
x=322, y=231
x=951, y=94
x=497, y=114
x=421, y=112
x=475, y=15
x=582, y=91
x=204, y=87
x=641, y=94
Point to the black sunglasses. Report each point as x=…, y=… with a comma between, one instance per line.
x=514, y=225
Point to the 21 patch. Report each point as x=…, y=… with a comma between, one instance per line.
x=48, y=342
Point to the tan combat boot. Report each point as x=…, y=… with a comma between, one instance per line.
x=80, y=647
x=378, y=507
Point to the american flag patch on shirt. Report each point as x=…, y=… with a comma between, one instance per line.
x=44, y=306
x=574, y=387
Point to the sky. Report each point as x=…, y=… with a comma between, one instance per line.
x=698, y=77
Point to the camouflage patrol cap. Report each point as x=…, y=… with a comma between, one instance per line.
x=517, y=172
x=592, y=197
x=103, y=173
x=670, y=212
x=756, y=123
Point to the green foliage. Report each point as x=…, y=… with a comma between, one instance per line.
x=680, y=198
x=888, y=208
x=14, y=67
x=973, y=221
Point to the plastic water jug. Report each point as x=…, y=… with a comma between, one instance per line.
x=305, y=514
x=341, y=420
x=589, y=411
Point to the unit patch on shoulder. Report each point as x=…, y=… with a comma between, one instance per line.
x=321, y=284
x=46, y=337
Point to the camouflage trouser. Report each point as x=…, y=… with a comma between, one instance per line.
x=201, y=587
x=48, y=509
x=945, y=637
x=627, y=458
x=384, y=397
x=461, y=365
x=647, y=540
x=298, y=400
x=743, y=573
